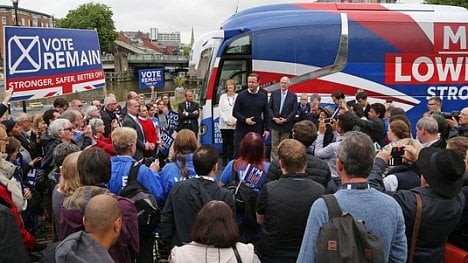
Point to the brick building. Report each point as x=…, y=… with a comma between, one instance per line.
x=26, y=18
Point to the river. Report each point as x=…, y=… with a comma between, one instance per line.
x=120, y=89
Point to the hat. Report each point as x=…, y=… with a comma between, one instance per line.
x=328, y=110
x=442, y=169
x=9, y=125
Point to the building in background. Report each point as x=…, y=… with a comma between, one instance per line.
x=155, y=41
x=28, y=18
x=172, y=38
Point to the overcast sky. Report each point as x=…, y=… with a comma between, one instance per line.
x=167, y=16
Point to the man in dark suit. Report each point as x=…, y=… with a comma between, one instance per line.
x=188, y=113
x=131, y=120
x=108, y=114
x=283, y=105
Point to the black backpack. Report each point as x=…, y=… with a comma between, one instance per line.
x=245, y=198
x=149, y=213
x=343, y=239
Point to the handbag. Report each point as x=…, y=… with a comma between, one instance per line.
x=236, y=253
x=417, y=223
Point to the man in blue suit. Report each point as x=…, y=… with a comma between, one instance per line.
x=283, y=105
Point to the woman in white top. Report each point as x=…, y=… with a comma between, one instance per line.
x=215, y=237
x=227, y=123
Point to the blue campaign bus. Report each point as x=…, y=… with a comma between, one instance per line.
x=400, y=53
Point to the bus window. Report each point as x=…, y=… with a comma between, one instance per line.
x=232, y=69
x=205, y=64
x=235, y=64
x=202, y=73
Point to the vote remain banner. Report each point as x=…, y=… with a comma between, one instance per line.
x=151, y=77
x=46, y=62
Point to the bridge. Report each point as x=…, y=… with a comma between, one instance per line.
x=137, y=61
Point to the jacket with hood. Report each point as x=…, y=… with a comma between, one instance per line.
x=183, y=204
x=170, y=174
x=71, y=221
x=79, y=247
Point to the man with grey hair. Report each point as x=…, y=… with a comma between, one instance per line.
x=108, y=114
x=427, y=133
x=283, y=104
x=77, y=105
x=355, y=158
x=24, y=122
x=29, y=149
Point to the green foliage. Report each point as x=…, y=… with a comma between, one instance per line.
x=179, y=81
x=462, y=3
x=186, y=51
x=93, y=16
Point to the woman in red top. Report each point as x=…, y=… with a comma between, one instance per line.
x=147, y=124
x=99, y=140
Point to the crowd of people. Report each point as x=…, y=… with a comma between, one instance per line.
x=70, y=167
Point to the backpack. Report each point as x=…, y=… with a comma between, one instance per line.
x=245, y=198
x=147, y=208
x=343, y=239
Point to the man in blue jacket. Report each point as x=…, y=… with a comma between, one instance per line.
x=124, y=140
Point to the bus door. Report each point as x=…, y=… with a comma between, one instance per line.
x=235, y=63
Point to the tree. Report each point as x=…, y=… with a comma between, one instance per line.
x=462, y=3
x=179, y=81
x=93, y=16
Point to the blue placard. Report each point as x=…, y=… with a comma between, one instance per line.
x=172, y=121
x=166, y=142
x=151, y=77
x=45, y=62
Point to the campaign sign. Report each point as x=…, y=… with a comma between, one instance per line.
x=166, y=142
x=172, y=121
x=151, y=77
x=45, y=62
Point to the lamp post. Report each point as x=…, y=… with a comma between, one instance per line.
x=15, y=6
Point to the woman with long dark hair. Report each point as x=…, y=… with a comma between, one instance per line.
x=215, y=238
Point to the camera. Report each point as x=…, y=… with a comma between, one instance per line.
x=396, y=156
x=148, y=161
x=327, y=120
x=450, y=115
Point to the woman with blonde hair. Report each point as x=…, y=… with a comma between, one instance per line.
x=227, y=123
x=181, y=164
x=68, y=183
x=38, y=128
x=215, y=238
